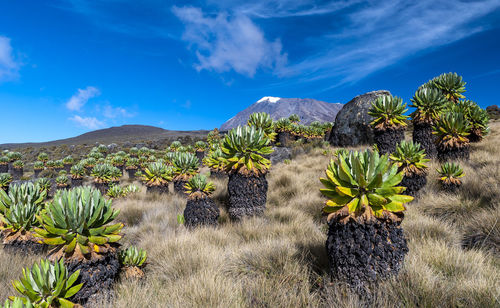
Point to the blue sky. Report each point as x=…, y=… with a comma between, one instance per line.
x=71, y=66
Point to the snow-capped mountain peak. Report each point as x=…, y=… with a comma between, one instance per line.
x=270, y=99
x=307, y=109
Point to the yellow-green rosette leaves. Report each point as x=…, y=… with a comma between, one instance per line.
x=363, y=183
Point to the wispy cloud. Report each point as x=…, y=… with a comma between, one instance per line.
x=283, y=8
x=116, y=112
x=223, y=43
x=81, y=97
x=382, y=33
x=87, y=122
x=9, y=66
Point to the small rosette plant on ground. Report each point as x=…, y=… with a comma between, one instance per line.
x=5, y=180
x=365, y=208
x=133, y=260
x=47, y=285
x=200, y=209
x=77, y=174
x=79, y=223
x=389, y=122
x=410, y=159
x=449, y=176
x=244, y=149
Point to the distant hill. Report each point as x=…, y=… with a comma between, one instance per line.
x=118, y=134
x=307, y=109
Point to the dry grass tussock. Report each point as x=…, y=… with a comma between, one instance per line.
x=279, y=260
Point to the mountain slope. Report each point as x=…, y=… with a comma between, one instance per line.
x=307, y=109
x=131, y=133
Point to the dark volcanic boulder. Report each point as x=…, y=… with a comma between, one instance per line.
x=493, y=111
x=352, y=124
x=280, y=154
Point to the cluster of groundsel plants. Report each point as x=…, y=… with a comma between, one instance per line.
x=78, y=221
x=410, y=158
x=388, y=112
x=133, y=259
x=244, y=149
x=46, y=285
x=117, y=191
x=450, y=174
x=363, y=184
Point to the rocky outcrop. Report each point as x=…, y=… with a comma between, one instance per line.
x=352, y=124
x=493, y=111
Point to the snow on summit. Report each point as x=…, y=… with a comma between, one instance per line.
x=270, y=99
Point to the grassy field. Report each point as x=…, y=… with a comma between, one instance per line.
x=279, y=260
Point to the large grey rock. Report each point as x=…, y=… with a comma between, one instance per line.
x=352, y=124
x=280, y=154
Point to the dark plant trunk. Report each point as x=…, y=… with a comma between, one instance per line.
x=386, y=140
x=446, y=154
x=413, y=183
x=450, y=187
x=121, y=168
x=200, y=156
x=285, y=139
x=103, y=187
x=201, y=212
x=76, y=182
x=26, y=248
x=131, y=173
x=37, y=173
x=474, y=137
x=422, y=133
x=59, y=187
x=362, y=253
x=4, y=168
x=247, y=195
x=67, y=167
x=157, y=189
x=179, y=186
x=97, y=276
x=17, y=173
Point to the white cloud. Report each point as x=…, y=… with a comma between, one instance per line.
x=225, y=43
x=81, y=97
x=87, y=122
x=115, y=112
x=9, y=66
